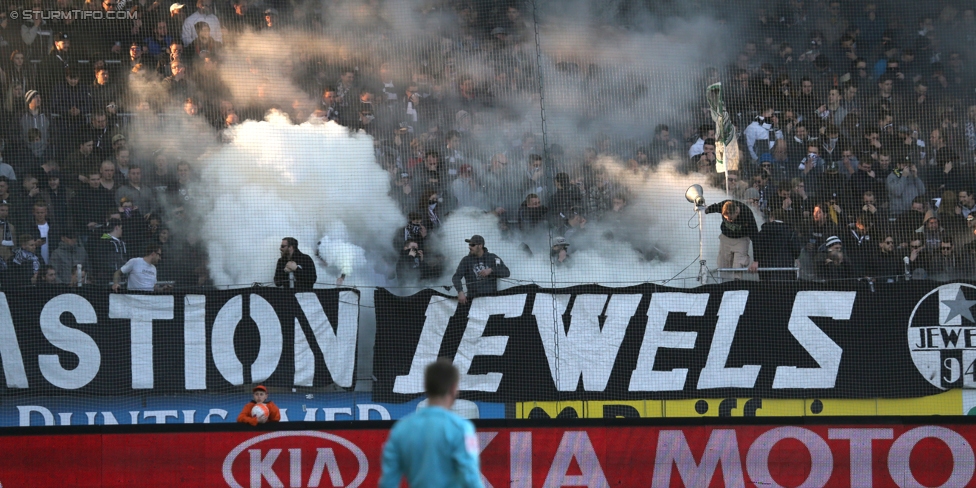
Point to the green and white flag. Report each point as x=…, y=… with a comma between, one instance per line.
x=726, y=145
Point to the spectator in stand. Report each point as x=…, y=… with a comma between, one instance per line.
x=411, y=267
x=946, y=264
x=104, y=92
x=58, y=60
x=294, y=261
x=203, y=14
x=884, y=262
x=833, y=264
x=160, y=39
x=705, y=132
x=46, y=233
x=203, y=46
x=559, y=252
x=34, y=118
x=566, y=196
x=480, y=271
x=9, y=233
x=468, y=191
x=932, y=233
x=141, y=272
x=68, y=256
x=143, y=197
x=904, y=186
x=161, y=177
x=106, y=173
x=663, y=146
x=738, y=228
x=761, y=133
x=92, y=204
x=864, y=180
x=777, y=245
x=869, y=206
x=24, y=265
x=572, y=223
x=23, y=202
x=81, y=163
x=532, y=214
x=109, y=252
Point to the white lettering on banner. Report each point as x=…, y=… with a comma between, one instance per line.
x=576, y=445
x=672, y=449
x=585, y=350
x=222, y=340
x=141, y=310
x=520, y=459
x=65, y=418
x=26, y=411
x=644, y=377
x=160, y=415
x=325, y=459
x=365, y=408
x=330, y=413
x=963, y=462
x=834, y=304
x=338, y=347
x=70, y=340
x=715, y=374
x=304, y=359
x=294, y=468
x=439, y=311
x=261, y=467
x=862, y=475
x=821, y=458
x=218, y=412
x=12, y=361
x=195, y=342
x=485, y=438
x=474, y=344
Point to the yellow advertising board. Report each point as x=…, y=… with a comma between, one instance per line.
x=948, y=403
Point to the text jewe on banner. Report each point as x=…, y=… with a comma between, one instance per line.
x=742, y=339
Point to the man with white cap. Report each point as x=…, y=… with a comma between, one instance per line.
x=480, y=270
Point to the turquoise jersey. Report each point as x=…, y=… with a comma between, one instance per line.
x=433, y=448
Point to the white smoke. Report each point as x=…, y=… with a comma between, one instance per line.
x=314, y=182
x=661, y=221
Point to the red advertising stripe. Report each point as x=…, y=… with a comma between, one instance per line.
x=757, y=455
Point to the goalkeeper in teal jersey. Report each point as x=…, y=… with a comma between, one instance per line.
x=433, y=447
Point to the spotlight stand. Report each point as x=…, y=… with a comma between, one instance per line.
x=694, y=195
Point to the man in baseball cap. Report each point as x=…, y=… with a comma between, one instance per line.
x=480, y=270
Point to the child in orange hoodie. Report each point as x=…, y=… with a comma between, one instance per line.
x=260, y=396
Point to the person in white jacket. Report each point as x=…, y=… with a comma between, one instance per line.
x=762, y=128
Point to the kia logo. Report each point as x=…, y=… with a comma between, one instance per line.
x=261, y=460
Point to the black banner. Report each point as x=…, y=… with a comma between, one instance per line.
x=740, y=339
x=97, y=343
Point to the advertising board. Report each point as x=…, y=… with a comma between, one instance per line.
x=879, y=455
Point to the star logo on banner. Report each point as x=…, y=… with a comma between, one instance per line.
x=959, y=307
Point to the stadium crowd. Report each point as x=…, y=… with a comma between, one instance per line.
x=857, y=124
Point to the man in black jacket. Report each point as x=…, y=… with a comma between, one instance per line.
x=480, y=269
x=776, y=246
x=294, y=261
x=738, y=228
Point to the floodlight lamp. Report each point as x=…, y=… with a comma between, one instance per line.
x=694, y=194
